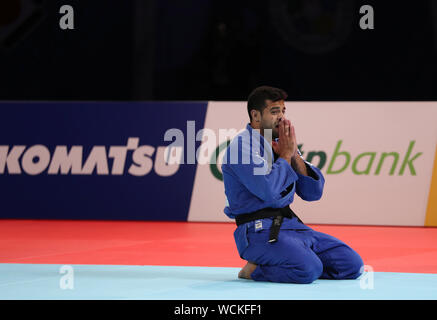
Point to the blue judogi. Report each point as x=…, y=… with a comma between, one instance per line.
x=301, y=254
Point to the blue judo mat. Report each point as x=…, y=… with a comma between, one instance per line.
x=107, y=282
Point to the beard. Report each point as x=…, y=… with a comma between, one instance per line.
x=275, y=133
x=267, y=126
x=271, y=132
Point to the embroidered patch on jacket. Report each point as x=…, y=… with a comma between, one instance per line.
x=258, y=225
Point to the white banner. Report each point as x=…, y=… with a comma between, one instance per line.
x=377, y=159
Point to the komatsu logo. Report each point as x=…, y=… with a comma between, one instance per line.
x=37, y=159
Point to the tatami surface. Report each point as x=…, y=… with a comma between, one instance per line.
x=193, y=260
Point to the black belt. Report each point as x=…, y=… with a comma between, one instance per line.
x=277, y=213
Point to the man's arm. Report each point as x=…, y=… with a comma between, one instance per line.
x=310, y=184
x=267, y=186
x=299, y=166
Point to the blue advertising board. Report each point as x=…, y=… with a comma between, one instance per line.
x=94, y=160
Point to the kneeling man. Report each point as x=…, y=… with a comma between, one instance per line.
x=262, y=171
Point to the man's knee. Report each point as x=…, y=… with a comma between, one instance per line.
x=307, y=273
x=353, y=267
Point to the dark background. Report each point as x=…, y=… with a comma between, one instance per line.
x=217, y=50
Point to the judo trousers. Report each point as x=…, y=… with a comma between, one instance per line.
x=301, y=256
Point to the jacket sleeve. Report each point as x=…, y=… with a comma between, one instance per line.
x=265, y=184
x=310, y=188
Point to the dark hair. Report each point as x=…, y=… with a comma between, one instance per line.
x=257, y=98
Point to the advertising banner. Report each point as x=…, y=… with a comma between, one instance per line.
x=87, y=160
x=377, y=159
x=162, y=160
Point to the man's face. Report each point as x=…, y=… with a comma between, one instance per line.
x=272, y=115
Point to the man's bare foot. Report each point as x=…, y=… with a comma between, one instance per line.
x=247, y=271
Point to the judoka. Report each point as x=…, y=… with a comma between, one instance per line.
x=263, y=170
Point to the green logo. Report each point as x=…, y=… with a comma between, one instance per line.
x=368, y=159
x=213, y=163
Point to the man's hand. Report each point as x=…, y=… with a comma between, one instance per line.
x=286, y=147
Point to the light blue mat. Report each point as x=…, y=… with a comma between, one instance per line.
x=105, y=282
